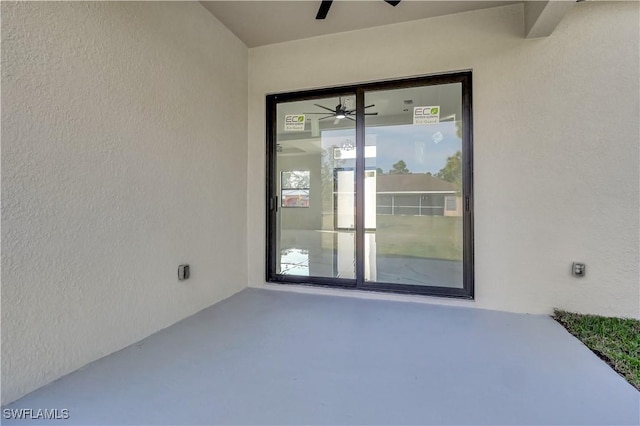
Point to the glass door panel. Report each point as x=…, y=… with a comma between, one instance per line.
x=416, y=237
x=315, y=188
x=370, y=186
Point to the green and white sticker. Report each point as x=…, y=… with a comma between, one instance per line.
x=426, y=115
x=294, y=123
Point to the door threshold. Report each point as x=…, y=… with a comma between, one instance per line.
x=368, y=294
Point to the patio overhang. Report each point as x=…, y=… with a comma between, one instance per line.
x=542, y=17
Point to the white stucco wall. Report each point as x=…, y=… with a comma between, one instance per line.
x=124, y=146
x=556, y=141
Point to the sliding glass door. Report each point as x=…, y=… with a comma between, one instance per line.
x=370, y=187
x=313, y=193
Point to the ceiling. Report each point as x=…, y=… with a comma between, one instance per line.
x=258, y=23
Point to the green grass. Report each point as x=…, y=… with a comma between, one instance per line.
x=615, y=340
x=434, y=237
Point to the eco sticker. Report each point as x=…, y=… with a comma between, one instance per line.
x=426, y=115
x=294, y=123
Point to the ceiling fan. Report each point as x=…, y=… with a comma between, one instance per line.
x=326, y=5
x=340, y=112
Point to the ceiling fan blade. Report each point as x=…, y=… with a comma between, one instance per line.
x=324, y=107
x=324, y=118
x=324, y=9
x=370, y=113
x=350, y=118
x=392, y=3
x=308, y=113
x=351, y=111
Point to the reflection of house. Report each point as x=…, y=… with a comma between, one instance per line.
x=417, y=195
x=295, y=198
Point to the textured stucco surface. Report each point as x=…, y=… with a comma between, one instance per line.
x=124, y=135
x=556, y=143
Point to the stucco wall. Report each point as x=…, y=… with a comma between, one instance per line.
x=124, y=146
x=556, y=141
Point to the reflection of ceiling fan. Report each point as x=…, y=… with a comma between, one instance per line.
x=326, y=5
x=340, y=112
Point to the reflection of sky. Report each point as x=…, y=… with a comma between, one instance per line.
x=294, y=262
x=421, y=147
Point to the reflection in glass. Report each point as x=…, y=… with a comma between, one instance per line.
x=295, y=188
x=294, y=262
x=295, y=198
x=315, y=221
x=412, y=199
x=418, y=187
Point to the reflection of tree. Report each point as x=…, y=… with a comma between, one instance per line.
x=452, y=171
x=459, y=128
x=379, y=171
x=287, y=251
x=296, y=179
x=399, y=168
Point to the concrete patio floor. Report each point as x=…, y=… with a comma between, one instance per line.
x=273, y=357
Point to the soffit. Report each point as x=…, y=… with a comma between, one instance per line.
x=259, y=23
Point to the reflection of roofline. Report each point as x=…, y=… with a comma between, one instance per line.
x=417, y=192
x=413, y=183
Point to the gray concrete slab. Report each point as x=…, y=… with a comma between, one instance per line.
x=270, y=357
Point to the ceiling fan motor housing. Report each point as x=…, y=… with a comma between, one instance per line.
x=340, y=111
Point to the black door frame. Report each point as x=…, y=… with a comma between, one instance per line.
x=272, y=201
